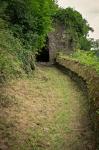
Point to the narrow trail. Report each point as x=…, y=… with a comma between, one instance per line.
x=46, y=112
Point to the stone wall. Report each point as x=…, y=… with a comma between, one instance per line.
x=59, y=40
x=88, y=79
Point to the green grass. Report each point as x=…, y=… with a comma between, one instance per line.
x=47, y=114
x=87, y=58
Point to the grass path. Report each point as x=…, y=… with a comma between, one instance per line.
x=45, y=112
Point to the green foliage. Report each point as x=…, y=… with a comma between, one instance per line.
x=10, y=47
x=24, y=25
x=13, y=51
x=30, y=20
x=85, y=44
x=76, y=26
x=88, y=58
x=10, y=66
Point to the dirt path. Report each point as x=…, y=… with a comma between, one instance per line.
x=45, y=112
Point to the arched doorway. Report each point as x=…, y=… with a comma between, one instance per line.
x=43, y=55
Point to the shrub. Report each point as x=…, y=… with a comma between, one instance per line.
x=10, y=66
x=14, y=58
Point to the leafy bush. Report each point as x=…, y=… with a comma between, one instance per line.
x=14, y=59
x=10, y=66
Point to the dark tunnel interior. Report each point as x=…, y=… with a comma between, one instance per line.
x=43, y=55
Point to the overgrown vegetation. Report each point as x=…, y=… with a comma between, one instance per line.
x=77, y=27
x=88, y=58
x=24, y=25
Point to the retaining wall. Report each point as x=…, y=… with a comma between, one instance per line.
x=88, y=80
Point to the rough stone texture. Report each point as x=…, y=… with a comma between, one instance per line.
x=91, y=81
x=59, y=40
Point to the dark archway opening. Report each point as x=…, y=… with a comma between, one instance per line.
x=43, y=55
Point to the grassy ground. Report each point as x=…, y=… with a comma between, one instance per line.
x=87, y=58
x=45, y=112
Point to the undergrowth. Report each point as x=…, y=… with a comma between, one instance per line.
x=24, y=26
x=15, y=60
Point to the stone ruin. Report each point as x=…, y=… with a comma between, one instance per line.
x=59, y=40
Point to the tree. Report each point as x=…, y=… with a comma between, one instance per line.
x=30, y=20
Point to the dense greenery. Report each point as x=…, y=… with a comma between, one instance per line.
x=24, y=25
x=76, y=26
x=29, y=20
